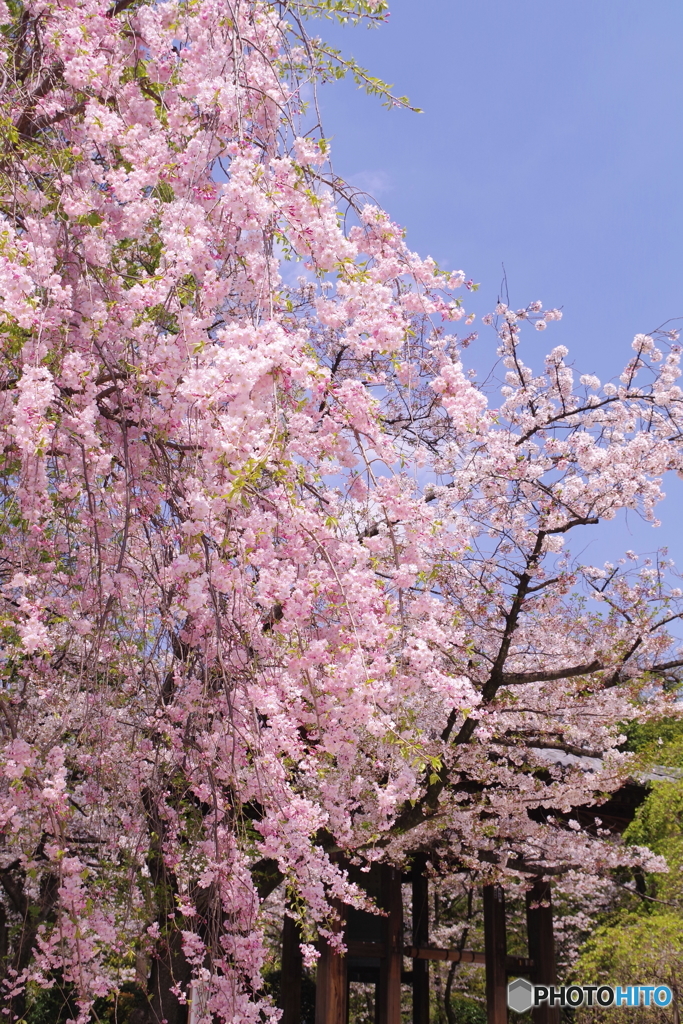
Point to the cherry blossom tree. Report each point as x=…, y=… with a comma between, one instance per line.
x=279, y=583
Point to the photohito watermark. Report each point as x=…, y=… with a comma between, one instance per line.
x=523, y=996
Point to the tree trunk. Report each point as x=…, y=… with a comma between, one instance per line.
x=169, y=968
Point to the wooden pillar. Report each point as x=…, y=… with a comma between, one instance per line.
x=290, y=976
x=332, y=988
x=539, y=922
x=392, y=961
x=495, y=951
x=420, y=938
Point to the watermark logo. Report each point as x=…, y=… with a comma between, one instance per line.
x=523, y=996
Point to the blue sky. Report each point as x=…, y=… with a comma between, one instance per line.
x=551, y=142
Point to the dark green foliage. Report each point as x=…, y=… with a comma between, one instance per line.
x=641, y=942
x=57, y=1005
x=51, y=1006
x=656, y=742
x=467, y=1011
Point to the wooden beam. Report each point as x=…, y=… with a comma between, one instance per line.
x=539, y=918
x=496, y=954
x=291, y=973
x=458, y=956
x=420, y=910
x=331, y=990
x=513, y=964
x=392, y=962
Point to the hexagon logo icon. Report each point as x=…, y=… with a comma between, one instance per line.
x=520, y=995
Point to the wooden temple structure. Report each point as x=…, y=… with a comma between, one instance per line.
x=376, y=952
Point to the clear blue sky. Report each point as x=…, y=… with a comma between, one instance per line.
x=551, y=142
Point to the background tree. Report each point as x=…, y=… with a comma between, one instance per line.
x=640, y=936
